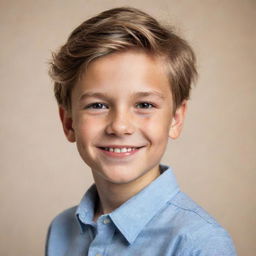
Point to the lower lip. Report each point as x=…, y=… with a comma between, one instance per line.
x=121, y=154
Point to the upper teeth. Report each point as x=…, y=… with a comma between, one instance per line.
x=119, y=150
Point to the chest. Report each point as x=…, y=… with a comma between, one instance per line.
x=107, y=240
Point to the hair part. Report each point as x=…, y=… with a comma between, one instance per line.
x=117, y=30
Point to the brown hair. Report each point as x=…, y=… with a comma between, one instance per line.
x=116, y=30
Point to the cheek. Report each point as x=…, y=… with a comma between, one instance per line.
x=157, y=133
x=87, y=129
x=157, y=126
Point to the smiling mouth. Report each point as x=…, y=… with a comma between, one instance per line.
x=120, y=150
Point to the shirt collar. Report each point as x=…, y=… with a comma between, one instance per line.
x=85, y=210
x=132, y=216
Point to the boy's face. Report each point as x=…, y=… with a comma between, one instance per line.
x=121, y=116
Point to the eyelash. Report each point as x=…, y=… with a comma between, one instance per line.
x=96, y=105
x=146, y=105
x=140, y=105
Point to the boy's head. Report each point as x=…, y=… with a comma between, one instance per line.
x=122, y=81
x=117, y=30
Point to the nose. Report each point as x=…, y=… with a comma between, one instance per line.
x=120, y=123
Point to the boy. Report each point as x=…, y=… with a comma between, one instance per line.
x=122, y=82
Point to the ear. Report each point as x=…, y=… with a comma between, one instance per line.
x=178, y=120
x=67, y=124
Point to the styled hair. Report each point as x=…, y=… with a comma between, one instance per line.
x=117, y=30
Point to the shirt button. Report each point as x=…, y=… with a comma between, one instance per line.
x=106, y=221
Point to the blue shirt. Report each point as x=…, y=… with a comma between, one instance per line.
x=158, y=221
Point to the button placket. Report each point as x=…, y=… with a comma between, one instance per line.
x=104, y=235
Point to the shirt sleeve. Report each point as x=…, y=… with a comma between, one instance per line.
x=216, y=246
x=215, y=242
x=47, y=241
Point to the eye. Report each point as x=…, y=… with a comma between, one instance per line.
x=144, y=105
x=97, y=105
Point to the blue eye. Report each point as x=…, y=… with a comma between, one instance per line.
x=145, y=105
x=97, y=105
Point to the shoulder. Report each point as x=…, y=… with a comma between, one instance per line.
x=64, y=222
x=65, y=217
x=189, y=210
x=60, y=231
x=197, y=231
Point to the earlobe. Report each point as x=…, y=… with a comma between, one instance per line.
x=178, y=121
x=67, y=124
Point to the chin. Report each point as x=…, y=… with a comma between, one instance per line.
x=120, y=177
x=119, y=180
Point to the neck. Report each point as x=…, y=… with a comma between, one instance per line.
x=112, y=195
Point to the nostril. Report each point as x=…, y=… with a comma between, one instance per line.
x=119, y=128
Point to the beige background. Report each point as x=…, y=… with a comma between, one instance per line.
x=214, y=160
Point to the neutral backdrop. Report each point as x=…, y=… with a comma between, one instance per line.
x=214, y=160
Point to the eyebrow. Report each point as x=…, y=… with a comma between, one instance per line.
x=149, y=93
x=135, y=95
x=93, y=95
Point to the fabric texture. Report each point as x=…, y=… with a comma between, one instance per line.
x=158, y=221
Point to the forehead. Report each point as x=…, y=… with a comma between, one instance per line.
x=132, y=69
